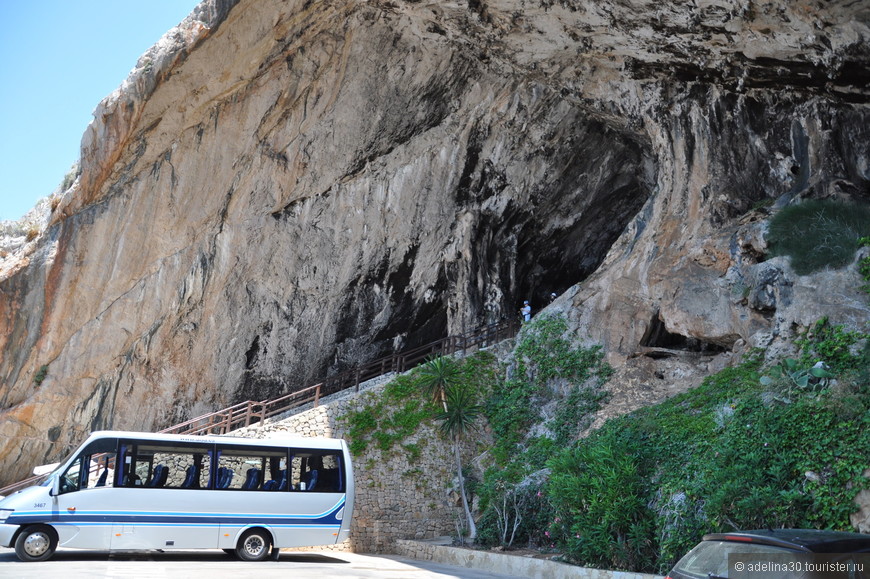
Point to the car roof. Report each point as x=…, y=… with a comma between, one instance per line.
x=810, y=540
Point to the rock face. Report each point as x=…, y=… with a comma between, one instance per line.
x=282, y=189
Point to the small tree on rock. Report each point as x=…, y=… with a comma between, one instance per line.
x=458, y=418
x=438, y=375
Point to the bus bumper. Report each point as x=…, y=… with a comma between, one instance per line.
x=7, y=532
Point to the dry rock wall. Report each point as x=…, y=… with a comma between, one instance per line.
x=283, y=189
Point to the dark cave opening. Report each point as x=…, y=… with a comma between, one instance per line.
x=531, y=243
x=575, y=221
x=252, y=353
x=658, y=337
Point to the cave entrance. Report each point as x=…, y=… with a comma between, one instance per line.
x=563, y=225
x=530, y=232
x=658, y=342
x=571, y=232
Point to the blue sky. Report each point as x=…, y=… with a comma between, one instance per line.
x=58, y=60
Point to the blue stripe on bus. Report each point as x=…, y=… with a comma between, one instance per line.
x=203, y=525
x=144, y=517
x=330, y=511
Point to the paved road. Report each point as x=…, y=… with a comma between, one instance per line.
x=75, y=564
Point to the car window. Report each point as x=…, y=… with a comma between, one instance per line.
x=711, y=557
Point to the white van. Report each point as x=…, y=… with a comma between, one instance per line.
x=133, y=490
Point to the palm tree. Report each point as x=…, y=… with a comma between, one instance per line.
x=438, y=375
x=457, y=419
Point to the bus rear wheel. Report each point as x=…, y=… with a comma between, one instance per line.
x=36, y=543
x=254, y=545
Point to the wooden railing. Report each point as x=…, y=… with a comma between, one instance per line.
x=251, y=412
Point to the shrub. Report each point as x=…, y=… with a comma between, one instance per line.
x=817, y=234
x=391, y=418
x=544, y=356
x=831, y=344
x=69, y=179
x=518, y=514
x=546, y=361
x=864, y=265
x=720, y=457
x=40, y=375
x=599, y=493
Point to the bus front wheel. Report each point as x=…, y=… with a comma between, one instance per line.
x=254, y=545
x=36, y=543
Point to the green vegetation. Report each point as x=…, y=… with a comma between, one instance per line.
x=438, y=377
x=69, y=179
x=406, y=402
x=40, y=375
x=547, y=364
x=831, y=344
x=751, y=447
x=599, y=492
x=545, y=359
x=461, y=410
x=797, y=376
x=727, y=455
x=817, y=234
x=864, y=265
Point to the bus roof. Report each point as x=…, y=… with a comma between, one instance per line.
x=288, y=441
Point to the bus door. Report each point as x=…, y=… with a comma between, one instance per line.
x=85, y=490
x=317, y=487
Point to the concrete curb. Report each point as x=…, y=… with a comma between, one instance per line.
x=506, y=564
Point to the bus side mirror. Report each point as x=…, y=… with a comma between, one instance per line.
x=55, y=487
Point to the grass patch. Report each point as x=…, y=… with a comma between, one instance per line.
x=818, y=234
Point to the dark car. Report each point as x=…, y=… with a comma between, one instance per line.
x=771, y=554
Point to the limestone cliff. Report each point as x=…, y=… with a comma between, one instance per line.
x=282, y=189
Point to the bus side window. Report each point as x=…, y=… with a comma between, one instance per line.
x=93, y=467
x=239, y=471
x=317, y=471
x=331, y=477
x=102, y=470
x=251, y=469
x=168, y=465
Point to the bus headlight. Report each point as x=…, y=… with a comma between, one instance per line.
x=4, y=514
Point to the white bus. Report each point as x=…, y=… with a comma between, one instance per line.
x=133, y=490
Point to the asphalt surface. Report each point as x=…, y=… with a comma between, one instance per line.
x=75, y=564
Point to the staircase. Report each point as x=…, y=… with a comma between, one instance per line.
x=253, y=412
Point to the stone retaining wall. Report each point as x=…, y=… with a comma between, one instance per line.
x=398, y=495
